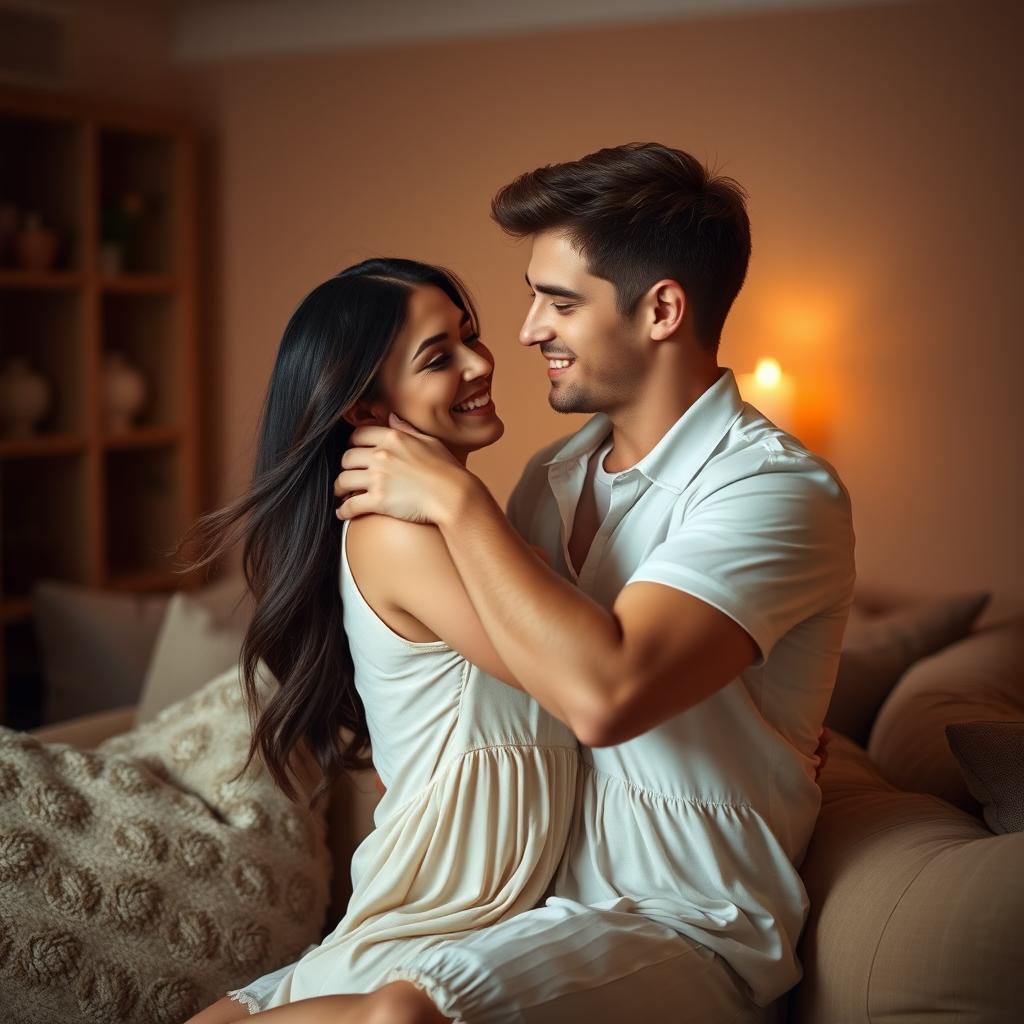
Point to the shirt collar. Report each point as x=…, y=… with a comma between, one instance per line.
x=676, y=458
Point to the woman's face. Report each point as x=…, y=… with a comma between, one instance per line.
x=437, y=376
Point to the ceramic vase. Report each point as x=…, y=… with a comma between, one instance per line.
x=35, y=245
x=124, y=392
x=24, y=398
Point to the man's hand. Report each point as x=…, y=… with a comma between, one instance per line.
x=399, y=473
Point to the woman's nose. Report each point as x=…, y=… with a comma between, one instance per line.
x=476, y=366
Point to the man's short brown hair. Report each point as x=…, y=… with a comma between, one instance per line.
x=638, y=213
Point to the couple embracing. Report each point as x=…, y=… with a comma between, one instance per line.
x=596, y=719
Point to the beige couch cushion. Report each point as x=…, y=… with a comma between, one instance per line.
x=200, y=636
x=879, y=648
x=916, y=908
x=991, y=759
x=138, y=882
x=980, y=678
x=95, y=646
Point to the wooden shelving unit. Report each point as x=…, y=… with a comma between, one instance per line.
x=78, y=501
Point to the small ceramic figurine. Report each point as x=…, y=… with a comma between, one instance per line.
x=35, y=245
x=24, y=398
x=124, y=391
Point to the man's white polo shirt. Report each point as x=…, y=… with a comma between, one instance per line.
x=701, y=823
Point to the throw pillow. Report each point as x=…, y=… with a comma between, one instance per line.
x=991, y=759
x=878, y=649
x=980, y=678
x=201, y=635
x=94, y=644
x=138, y=883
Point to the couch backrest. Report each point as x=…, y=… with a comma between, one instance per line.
x=979, y=679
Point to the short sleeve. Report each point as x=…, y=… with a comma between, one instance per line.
x=769, y=550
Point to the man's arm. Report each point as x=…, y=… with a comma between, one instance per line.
x=609, y=675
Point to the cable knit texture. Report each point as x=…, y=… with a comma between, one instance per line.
x=137, y=882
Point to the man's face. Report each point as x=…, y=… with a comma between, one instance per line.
x=594, y=356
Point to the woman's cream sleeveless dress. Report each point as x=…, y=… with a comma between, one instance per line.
x=480, y=789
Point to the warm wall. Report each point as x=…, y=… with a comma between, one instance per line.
x=882, y=153
x=121, y=50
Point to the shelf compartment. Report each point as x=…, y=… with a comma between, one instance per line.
x=43, y=522
x=145, y=329
x=44, y=327
x=143, y=511
x=137, y=205
x=42, y=171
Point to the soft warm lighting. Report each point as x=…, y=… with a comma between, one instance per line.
x=768, y=373
x=770, y=391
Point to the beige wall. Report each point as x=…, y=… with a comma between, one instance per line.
x=881, y=148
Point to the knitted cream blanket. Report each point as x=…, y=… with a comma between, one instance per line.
x=138, y=884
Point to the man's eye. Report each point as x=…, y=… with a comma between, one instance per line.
x=562, y=307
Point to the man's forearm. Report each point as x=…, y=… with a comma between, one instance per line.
x=563, y=647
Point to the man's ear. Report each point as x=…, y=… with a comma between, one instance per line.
x=666, y=303
x=366, y=413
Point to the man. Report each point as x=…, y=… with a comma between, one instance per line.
x=688, y=630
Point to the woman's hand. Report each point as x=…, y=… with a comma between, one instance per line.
x=400, y=473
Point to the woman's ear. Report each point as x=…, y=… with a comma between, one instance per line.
x=366, y=413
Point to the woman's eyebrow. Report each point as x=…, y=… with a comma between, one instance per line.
x=435, y=338
x=554, y=289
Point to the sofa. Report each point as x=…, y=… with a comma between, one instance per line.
x=915, y=871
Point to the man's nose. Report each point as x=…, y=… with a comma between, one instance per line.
x=534, y=331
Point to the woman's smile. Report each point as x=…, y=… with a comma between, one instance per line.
x=478, y=404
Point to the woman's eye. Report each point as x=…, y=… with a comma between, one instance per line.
x=437, y=363
x=471, y=340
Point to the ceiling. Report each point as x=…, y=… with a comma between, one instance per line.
x=209, y=30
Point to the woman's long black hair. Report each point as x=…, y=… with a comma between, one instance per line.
x=329, y=356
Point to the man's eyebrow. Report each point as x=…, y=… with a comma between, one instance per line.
x=554, y=289
x=435, y=338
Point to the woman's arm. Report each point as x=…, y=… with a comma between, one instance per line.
x=404, y=572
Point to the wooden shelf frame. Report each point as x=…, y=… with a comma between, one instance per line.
x=99, y=464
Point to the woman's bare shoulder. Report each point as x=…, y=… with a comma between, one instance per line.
x=376, y=535
x=388, y=557
x=384, y=553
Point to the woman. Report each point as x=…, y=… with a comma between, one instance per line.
x=479, y=780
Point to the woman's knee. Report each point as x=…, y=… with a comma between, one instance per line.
x=401, y=1002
